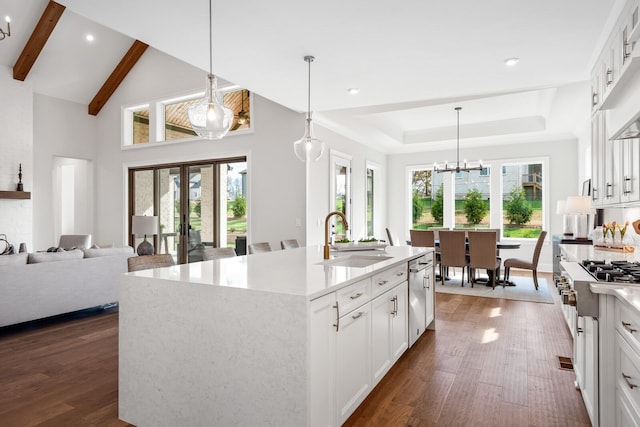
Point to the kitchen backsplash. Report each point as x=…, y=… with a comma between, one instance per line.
x=620, y=215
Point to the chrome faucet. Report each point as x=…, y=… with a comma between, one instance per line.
x=326, y=230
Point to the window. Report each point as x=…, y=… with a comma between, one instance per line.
x=168, y=119
x=372, y=181
x=473, y=199
x=426, y=199
x=522, y=200
x=340, y=187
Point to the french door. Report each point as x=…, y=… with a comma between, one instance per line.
x=198, y=205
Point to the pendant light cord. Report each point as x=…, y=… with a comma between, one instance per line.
x=309, y=60
x=210, y=41
x=458, y=139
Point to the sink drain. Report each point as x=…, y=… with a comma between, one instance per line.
x=565, y=363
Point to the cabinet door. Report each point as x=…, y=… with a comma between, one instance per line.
x=597, y=193
x=381, y=315
x=353, y=360
x=630, y=167
x=430, y=288
x=611, y=168
x=322, y=353
x=400, y=321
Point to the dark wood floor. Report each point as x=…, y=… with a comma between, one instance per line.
x=490, y=362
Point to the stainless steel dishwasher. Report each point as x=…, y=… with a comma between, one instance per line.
x=420, y=300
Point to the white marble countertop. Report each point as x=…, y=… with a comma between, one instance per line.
x=628, y=294
x=300, y=271
x=578, y=253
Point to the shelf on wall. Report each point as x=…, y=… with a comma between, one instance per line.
x=15, y=195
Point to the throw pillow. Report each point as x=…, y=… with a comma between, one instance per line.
x=54, y=256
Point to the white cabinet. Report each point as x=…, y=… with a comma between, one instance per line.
x=389, y=329
x=630, y=169
x=597, y=192
x=586, y=363
x=353, y=360
x=322, y=329
x=429, y=285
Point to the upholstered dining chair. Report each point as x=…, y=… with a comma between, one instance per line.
x=423, y=238
x=255, y=248
x=145, y=262
x=453, y=252
x=524, y=264
x=289, y=244
x=482, y=255
x=393, y=238
x=216, y=253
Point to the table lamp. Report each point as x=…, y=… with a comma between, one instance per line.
x=567, y=220
x=580, y=208
x=144, y=225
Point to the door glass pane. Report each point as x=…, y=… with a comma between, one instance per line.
x=201, y=208
x=427, y=199
x=233, y=206
x=473, y=192
x=143, y=199
x=169, y=205
x=522, y=186
x=341, y=199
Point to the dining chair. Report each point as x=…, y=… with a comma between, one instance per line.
x=289, y=244
x=453, y=252
x=146, y=262
x=216, y=253
x=255, y=248
x=524, y=264
x=482, y=255
x=393, y=239
x=425, y=239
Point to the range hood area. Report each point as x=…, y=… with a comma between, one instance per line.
x=622, y=106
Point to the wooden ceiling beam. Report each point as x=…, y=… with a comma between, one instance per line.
x=117, y=76
x=38, y=39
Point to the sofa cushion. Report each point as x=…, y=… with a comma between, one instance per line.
x=16, y=259
x=54, y=256
x=98, y=252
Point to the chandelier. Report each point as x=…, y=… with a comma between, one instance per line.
x=209, y=117
x=7, y=33
x=457, y=168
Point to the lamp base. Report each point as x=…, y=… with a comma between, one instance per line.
x=145, y=248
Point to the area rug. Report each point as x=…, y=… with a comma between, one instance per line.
x=523, y=291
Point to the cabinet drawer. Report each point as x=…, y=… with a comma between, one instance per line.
x=628, y=324
x=627, y=371
x=387, y=279
x=353, y=296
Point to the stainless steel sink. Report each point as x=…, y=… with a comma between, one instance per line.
x=355, y=261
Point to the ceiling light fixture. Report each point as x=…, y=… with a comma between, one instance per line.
x=308, y=147
x=456, y=169
x=353, y=90
x=89, y=38
x=243, y=116
x=209, y=117
x=511, y=62
x=7, y=33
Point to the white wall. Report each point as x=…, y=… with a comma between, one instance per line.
x=276, y=186
x=318, y=201
x=562, y=180
x=16, y=146
x=61, y=129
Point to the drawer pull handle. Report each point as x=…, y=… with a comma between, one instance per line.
x=400, y=273
x=355, y=316
x=628, y=327
x=358, y=295
x=629, y=383
x=337, y=324
x=382, y=282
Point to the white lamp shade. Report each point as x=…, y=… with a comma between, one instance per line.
x=561, y=207
x=144, y=225
x=578, y=205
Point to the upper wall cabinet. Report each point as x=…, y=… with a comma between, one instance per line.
x=619, y=60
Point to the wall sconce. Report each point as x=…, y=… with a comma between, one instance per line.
x=7, y=33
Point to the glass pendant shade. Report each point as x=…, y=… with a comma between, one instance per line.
x=209, y=117
x=308, y=147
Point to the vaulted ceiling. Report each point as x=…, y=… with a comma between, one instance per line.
x=412, y=60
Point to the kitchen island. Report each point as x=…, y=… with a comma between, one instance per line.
x=280, y=338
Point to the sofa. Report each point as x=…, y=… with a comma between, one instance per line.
x=43, y=284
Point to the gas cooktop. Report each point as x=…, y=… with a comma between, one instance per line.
x=614, y=271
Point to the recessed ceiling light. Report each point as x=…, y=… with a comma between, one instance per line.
x=89, y=38
x=7, y=18
x=353, y=90
x=510, y=62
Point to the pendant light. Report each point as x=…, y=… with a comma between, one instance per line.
x=457, y=168
x=308, y=147
x=209, y=117
x=243, y=116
